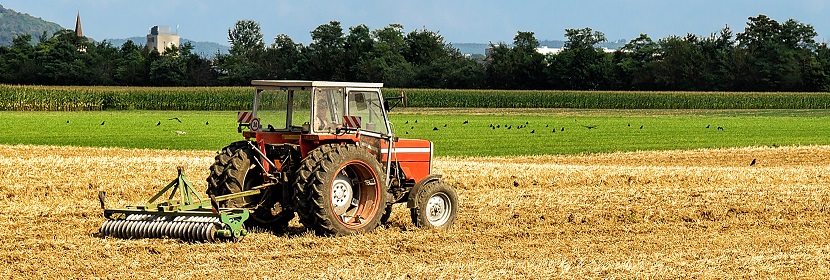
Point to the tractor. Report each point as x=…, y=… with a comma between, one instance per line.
x=323, y=151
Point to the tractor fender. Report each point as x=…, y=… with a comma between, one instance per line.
x=411, y=201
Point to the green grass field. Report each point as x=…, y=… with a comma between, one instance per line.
x=661, y=129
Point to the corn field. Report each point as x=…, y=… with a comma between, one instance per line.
x=75, y=98
x=447, y=98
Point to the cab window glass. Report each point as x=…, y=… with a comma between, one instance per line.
x=272, y=111
x=369, y=107
x=328, y=109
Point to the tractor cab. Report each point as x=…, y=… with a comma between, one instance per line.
x=314, y=107
x=313, y=113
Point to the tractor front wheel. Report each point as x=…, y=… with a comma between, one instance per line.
x=437, y=206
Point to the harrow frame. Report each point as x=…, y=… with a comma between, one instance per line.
x=187, y=204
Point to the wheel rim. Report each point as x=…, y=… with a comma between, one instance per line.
x=355, y=194
x=438, y=209
x=341, y=193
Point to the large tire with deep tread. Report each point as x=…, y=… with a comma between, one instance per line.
x=437, y=206
x=234, y=171
x=340, y=190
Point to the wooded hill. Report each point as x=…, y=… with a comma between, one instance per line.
x=14, y=23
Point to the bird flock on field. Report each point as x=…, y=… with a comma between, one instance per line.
x=525, y=125
x=492, y=126
x=159, y=123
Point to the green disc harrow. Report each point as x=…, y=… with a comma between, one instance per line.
x=188, y=217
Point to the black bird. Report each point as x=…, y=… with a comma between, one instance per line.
x=527, y=123
x=554, y=130
x=707, y=126
x=493, y=127
x=407, y=122
x=641, y=127
x=720, y=128
x=102, y=123
x=411, y=127
x=533, y=131
x=498, y=126
x=752, y=163
x=158, y=124
x=563, y=128
x=629, y=125
x=177, y=119
x=67, y=121
x=445, y=125
x=207, y=123
x=435, y=128
x=546, y=125
x=416, y=121
x=589, y=126
x=407, y=132
x=466, y=122
x=509, y=127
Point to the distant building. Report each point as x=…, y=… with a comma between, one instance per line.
x=78, y=31
x=161, y=37
x=546, y=51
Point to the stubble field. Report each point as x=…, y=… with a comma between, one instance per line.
x=670, y=214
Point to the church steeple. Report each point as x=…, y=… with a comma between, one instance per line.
x=78, y=30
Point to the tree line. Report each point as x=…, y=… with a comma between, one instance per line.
x=767, y=56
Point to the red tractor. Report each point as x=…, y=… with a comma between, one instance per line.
x=326, y=151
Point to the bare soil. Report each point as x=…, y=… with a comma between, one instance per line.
x=675, y=214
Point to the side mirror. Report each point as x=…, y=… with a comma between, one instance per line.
x=402, y=98
x=360, y=101
x=359, y=97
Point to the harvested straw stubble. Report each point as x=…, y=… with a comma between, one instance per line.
x=702, y=213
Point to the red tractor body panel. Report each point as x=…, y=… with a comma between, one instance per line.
x=414, y=156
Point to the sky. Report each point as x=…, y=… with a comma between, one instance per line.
x=462, y=21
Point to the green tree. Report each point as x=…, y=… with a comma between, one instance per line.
x=131, y=66
x=386, y=62
x=323, y=58
x=245, y=38
x=519, y=67
x=632, y=61
x=581, y=65
x=198, y=71
x=169, y=69
x=245, y=59
x=775, y=57
x=680, y=64
x=281, y=58
x=19, y=66
x=64, y=60
x=358, y=47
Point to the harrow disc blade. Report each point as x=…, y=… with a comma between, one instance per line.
x=187, y=228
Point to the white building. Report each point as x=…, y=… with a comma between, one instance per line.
x=161, y=37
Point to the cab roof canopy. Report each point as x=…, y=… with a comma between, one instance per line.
x=286, y=84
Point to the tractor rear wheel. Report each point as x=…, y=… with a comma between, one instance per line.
x=343, y=193
x=437, y=206
x=234, y=171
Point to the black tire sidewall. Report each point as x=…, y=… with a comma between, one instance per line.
x=333, y=161
x=419, y=215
